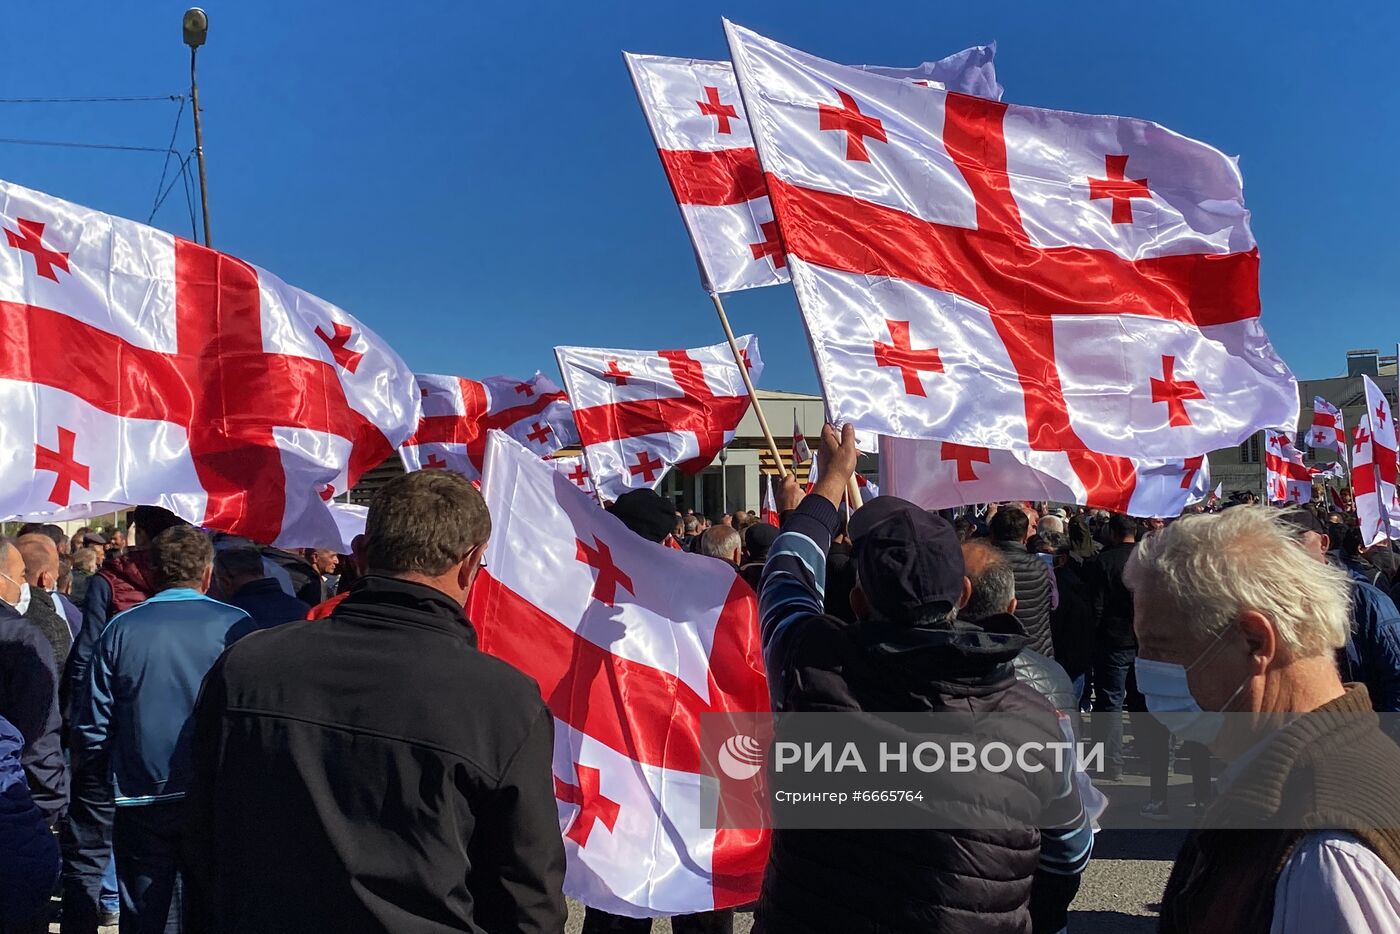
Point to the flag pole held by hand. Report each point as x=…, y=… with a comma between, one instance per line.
x=748, y=383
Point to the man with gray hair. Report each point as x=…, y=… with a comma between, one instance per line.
x=1232, y=615
x=372, y=770
x=723, y=542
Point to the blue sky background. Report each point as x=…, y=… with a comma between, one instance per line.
x=475, y=181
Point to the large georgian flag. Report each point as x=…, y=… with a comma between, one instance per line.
x=457, y=414
x=702, y=134
x=1328, y=432
x=943, y=474
x=1288, y=479
x=1009, y=277
x=1373, y=469
x=139, y=368
x=630, y=643
x=640, y=412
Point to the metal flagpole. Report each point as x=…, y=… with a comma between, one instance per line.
x=196, y=28
x=748, y=383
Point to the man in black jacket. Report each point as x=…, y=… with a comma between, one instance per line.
x=1010, y=529
x=373, y=771
x=1115, y=645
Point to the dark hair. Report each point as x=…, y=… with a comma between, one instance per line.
x=993, y=585
x=60, y=537
x=239, y=564
x=424, y=522
x=1010, y=524
x=965, y=528
x=181, y=555
x=1121, y=527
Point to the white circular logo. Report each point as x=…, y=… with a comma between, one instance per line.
x=741, y=757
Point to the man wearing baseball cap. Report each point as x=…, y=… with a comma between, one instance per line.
x=907, y=652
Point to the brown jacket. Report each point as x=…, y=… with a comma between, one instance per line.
x=1331, y=770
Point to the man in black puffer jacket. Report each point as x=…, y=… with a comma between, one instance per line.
x=1010, y=529
x=907, y=651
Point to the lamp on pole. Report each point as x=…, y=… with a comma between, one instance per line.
x=196, y=28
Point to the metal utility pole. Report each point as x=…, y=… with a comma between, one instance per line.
x=196, y=27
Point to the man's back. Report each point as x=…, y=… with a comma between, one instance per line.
x=268, y=604
x=378, y=760
x=1116, y=619
x=1033, y=595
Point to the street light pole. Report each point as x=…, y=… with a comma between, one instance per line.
x=196, y=28
x=723, y=479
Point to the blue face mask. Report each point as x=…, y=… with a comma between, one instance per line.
x=1168, y=694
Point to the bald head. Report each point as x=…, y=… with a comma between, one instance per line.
x=11, y=571
x=40, y=556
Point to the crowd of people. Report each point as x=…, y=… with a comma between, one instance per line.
x=198, y=733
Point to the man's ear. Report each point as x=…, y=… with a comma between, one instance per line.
x=966, y=593
x=206, y=579
x=1261, y=638
x=466, y=572
x=859, y=605
x=48, y=580
x=1011, y=607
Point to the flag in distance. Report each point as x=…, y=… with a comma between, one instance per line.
x=209, y=386
x=1287, y=478
x=1328, y=432
x=595, y=614
x=1008, y=277
x=701, y=132
x=801, y=453
x=1374, y=469
x=641, y=412
x=770, y=504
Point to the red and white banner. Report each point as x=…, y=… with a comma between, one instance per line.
x=1328, y=433
x=630, y=643
x=1286, y=477
x=1373, y=469
x=575, y=470
x=1008, y=277
x=139, y=368
x=457, y=414
x=640, y=412
x=801, y=453
x=943, y=474
x=700, y=129
x=770, y=504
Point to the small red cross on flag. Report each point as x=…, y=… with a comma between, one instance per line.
x=1120, y=190
x=722, y=113
x=30, y=239
x=911, y=363
x=647, y=466
x=65, y=467
x=965, y=456
x=857, y=126
x=771, y=245
x=1175, y=393
x=594, y=807
x=338, y=344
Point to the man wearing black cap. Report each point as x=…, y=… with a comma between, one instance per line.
x=906, y=652
x=1372, y=653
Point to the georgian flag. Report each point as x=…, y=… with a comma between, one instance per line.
x=1008, y=277
x=770, y=505
x=702, y=134
x=1328, y=433
x=1288, y=479
x=140, y=368
x=801, y=453
x=1373, y=469
x=457, y=414
x=944, y=474
x=640, y=412
x=575, y=470
x=631, y=643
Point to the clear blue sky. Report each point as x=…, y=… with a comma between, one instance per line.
x=476, y=183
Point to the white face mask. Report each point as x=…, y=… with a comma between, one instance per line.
x=1168, y=694
x=21, y=606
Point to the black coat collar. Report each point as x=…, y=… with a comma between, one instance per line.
x=408, y=602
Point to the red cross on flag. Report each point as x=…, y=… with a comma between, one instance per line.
x=630, y=643
x=1328, y=433
x=1287, y=478
x=801, y=453
x=1373, y=469
x=943, y=474
x=457, y=414
x=702, y=134
x=139, y=368
x=977, y=272
x=575, y=470
x=640, y=412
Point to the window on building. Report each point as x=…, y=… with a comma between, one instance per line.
x=1249, y=451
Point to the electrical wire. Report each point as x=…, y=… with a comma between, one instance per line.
x=13, y=141
x=165, y=166
x=89, y=100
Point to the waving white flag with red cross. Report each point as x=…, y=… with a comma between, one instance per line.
x=575, y=470
x=1008, y=277
x=457, y=414
x=943, y=474
x=1328, y=433
x=139, y=368
x=1374, y=482
x=640, y=412
x=702, y=134
x=631, y=643
x=1288, y=479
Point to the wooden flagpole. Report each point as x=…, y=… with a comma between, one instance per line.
x=748, y=383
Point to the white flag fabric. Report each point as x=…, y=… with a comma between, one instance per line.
x=700, y=129
x=944, y=474
x=457, y=414
x=1373, y=470
x=640, y=412
x=140, y=368
x=1008, y=277
x=631, y=643
x=575, y=470
x=349, y=522
x=1289, y=480
x=770, y=504
x=1328, y=432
